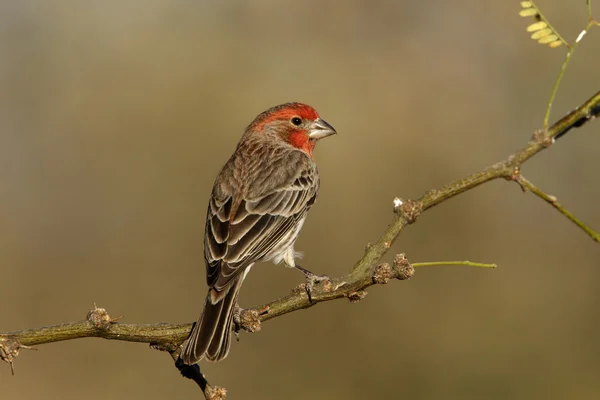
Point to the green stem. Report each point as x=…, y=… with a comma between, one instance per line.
x=562, y=73
x=556, y=85
x=440, y=263
x=553, y=201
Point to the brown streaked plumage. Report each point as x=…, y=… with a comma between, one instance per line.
x=256, y=210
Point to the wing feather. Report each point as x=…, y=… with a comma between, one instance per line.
x=239, y=236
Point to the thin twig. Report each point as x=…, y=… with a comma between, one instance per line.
x=571, y=49
x=553, y=201
x=441, y=263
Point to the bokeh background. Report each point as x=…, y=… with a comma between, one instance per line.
x=115, y=117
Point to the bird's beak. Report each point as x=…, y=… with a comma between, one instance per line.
x=320, y=129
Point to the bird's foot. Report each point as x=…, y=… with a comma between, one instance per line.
x=311, y=280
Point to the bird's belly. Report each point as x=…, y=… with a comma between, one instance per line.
x=284, y=249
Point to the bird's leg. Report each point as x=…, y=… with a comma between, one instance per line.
x=237, y=320
x=311, y=279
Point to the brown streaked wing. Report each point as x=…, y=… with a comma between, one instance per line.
x=255, y=228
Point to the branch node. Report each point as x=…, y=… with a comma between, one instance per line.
x=357, y=296
x=516, y=173
x=9, y=350
x=403, y=268
x=248, y=320
x=515, y=176
x=411, y=210
x=215, y=393
x=542, y=137
x=99, y=318
x=383, y=273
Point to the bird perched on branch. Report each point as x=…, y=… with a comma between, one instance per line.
x=256, y=210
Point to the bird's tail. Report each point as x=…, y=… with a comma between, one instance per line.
x=210, y=337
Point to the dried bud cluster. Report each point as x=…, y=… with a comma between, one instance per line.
x=9, y=350
x=215, y=393
x=403, y=267
x=99, y=318
x=249, y=320
x=383, y=273
x=411, y=210
x=357, y=296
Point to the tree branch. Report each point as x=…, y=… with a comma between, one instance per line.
x=553, y=201
x=366, y=272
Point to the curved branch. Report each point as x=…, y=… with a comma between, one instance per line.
x=366, y=272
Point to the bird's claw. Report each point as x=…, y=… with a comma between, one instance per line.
x=311, y=280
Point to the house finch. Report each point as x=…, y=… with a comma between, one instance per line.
x=256, y=210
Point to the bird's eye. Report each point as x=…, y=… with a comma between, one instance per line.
x=297, y=121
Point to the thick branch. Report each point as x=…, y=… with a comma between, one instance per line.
x=100, y=324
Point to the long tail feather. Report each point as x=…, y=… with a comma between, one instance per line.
x=210, y=337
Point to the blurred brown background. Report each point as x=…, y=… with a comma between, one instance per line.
x=115, y=117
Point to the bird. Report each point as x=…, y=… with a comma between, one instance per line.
x=256, y=210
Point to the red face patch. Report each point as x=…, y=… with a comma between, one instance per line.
x=300, y=140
